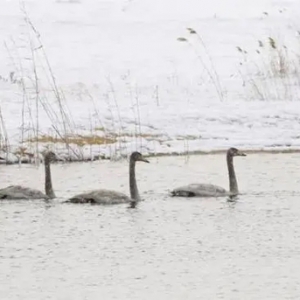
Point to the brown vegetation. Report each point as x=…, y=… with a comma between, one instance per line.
x=79, y=140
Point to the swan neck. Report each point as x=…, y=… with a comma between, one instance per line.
x=48, y=181
x=233, y=186
x=134, y=193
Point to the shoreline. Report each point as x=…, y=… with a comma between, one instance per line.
x=223, y=151
x=170, y=154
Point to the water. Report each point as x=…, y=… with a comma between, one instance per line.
x=167, y=248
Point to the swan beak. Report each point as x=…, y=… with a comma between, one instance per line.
x=144, y=160
x=240, y=153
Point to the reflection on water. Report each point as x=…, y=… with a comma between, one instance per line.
x=166, y=248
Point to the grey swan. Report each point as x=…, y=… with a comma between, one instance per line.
x=210, y=190
x=108, y=197
x=16, y=192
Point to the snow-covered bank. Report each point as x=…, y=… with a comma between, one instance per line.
x=130, y=73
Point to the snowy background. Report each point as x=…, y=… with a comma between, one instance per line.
x=156, y=76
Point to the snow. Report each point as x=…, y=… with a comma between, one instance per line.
x=121, y=72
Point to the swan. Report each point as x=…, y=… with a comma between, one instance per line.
x=210, y=190
x=16, y=192
x=108, y=197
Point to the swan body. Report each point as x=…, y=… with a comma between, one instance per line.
x=210, y=190
x=17, y=192
x=102, y=196
x=199, y=190
x=108, y=197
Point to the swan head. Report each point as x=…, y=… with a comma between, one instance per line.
x=235, y=152
x=137, y=156
x=50, y=156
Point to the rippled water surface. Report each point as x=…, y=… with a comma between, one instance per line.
x=166, y=248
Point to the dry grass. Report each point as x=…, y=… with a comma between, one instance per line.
x=272, y=73
x=137, y=135
x=79, y=140
x=149, y=136
x=188, y=137
x=100, y=128
x=100, y=140
x=205, y=60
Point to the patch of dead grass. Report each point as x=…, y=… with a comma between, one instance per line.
x=149, y=135
x=79, y=140
x=187, y=137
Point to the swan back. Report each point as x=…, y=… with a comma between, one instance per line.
x=199, y=190
x=101, y=196
x=19, y=192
